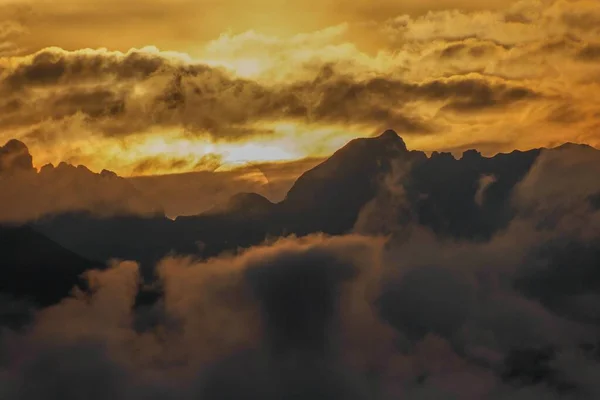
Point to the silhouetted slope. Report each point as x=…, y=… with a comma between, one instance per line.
x=143, y=239
x=28, y=194
x=14, y=156
x=245, y=205
x=443, y=192
x=244, y=221
x=468, y=198
x=328, y=197
x=37, y=268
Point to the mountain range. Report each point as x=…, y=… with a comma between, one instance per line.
x=467, y=198
x=370, y=186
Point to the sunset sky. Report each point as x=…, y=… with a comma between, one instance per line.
x=145, y=87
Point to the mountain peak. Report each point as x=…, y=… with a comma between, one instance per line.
x=14, y=155
x=392, y=137
x=390, y=133
x=244, y=202
x=571, y=145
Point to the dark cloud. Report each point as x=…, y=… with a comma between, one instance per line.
x=213, y=329
x=301, y=316
x=590, y=52
x=471, y=49
x=85, y=370
x=475, y=91
x=53, y=66
x=482, y=96
x=123, y=94
x=566, y=114
x=416, y=315
x=298, y=298
x=582, y=19
x=209, y=162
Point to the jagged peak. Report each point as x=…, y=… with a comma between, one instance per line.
x=108, y=174
x=246, y=202
x=571, y=145
x=249, y=197
x=14, y=155
x=15, y=144
x=390, y=134
x=471, y=154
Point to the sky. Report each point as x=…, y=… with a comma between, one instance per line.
x=160, y=87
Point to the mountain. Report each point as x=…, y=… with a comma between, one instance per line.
x=329, y=197
x=145, y=239
x=28, y=194
x=444, y=190
x=344, y=183
x=250, y=205
x=467, y=197
x=34, y=267
x=14, y=156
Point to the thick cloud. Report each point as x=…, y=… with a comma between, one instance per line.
x=212, y=310
x=111, y=110
x=128, y=93
x=439, y=76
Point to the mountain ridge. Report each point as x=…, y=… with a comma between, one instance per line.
x=441, y=192
x=445, y=194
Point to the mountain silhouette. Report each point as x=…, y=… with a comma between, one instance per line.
x=29, y=194
x=462, y=198
x=36, y=268
x=14, y=156
x=328, y=197
x=468, y=198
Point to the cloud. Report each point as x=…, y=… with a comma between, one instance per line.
x=154, y=163
x=517, y=22
x=98, y=96
x=439, y=75
x=12, y=28
x=218, y=308
x=559, y=189
x=484, y=182
x=122, y=93
x=245, y=325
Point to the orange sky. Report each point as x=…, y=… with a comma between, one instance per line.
x=152, y=87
